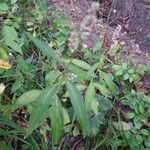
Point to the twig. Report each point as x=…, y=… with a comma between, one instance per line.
x=74, y=146
x=62, y=142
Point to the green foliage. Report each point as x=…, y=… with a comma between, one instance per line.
x=78, y=106
x=56, y=93
x=11, y=39
x=57, y=122
x=40, y=108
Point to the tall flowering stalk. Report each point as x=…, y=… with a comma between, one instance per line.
x=89, y=22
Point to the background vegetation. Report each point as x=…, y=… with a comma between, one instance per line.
x=56, y=93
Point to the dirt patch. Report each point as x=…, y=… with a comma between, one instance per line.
x=133, y=16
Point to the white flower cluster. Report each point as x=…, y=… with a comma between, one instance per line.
x=71, y=76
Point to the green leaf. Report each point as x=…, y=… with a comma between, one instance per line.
x=90, y=101
x=52, y=76
x=124, y=66
x=3, y=7
x=102, y=89
x=41, y=105
x=47, y=51
x=3, y=54
x=119, y=72
x=104, y=103
x=95, y=123
x=108, y=78
x=78, y=105
x=22, y=64
x=28, y=97
x=131, y=71
x=91, y=71
x=11, y=107
x=66, y=117
x=80, y=87
x=126, y=76
x=80, y=73
x=141, y=109
x=81, y=64
x=116, y=67
x=17, y=84
x=56, y=120
x=11, y=39
x=97, y=46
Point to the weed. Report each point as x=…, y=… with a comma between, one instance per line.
x=53, y=84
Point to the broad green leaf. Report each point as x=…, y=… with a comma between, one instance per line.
x=57, y=122
x=81, y=64
x=104, y=103
x=47, y=51
x=108, y=78
x=90, y=101
x=104, y=91
x=41, y=105
x=52, y=76
x=11, y=39
x=28, y=97
x=78, y=105
x=80, y=73
x=80, y=87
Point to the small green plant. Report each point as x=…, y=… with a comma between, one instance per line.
x=55, y=86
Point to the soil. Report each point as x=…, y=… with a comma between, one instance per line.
x=132, y=15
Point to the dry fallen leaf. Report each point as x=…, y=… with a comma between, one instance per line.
x=125, y=126
x=4, y=64
x=2, y=88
